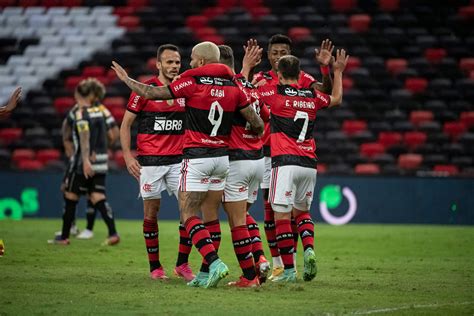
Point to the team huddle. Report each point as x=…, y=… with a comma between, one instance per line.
x=212, y=137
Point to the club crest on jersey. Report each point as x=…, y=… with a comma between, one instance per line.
x=291, y=92
x=181, y=102
x=206, y=80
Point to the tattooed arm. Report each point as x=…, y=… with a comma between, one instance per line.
x=146, y=91
x=255, y=121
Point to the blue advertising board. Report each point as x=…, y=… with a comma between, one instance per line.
x=337, y=200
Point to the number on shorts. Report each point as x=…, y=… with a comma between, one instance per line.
x=302, y=115
x=212, y=113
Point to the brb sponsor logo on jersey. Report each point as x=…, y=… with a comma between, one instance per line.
x=162, y=124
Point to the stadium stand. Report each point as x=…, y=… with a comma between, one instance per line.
x=409, y=86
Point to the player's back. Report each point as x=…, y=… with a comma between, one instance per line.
x=210, y=105
x=293, y=114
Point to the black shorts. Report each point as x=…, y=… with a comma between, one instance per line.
x=78, y=184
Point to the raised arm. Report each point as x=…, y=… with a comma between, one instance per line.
x=133, y=166
x=339, y=66
x=252, y=57
x=12, y=102
x=146, y=91
x=256, y=123
x=324, y=58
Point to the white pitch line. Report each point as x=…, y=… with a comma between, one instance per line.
x=394, y=309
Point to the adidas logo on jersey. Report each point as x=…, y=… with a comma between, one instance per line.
x=167, y=125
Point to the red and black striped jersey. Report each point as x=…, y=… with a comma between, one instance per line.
x=210, y=105
x=160, y=128
x=271, y=78
x=244, y=144
x=293, y=113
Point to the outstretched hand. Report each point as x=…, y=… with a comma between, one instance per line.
x=324, y=53
x=121, y=73
x=341, y=60
x=12, y=102
x=253, y=54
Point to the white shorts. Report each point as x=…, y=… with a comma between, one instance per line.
x=156, y=179
x=266, y=173
x=292, y=186
x=243, y=180
x=203, y=174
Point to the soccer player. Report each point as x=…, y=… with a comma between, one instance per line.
x=280, y=45
x=112, y=137
x=89, y=164
x=293, y=157
x=159, y=147
x=210, y=103
x=12, y=103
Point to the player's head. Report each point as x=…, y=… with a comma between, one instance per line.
x=279, y=45
x=88, y=91
x=204, y=53
x=226, y=56
x=288, y=68
x=168, y=61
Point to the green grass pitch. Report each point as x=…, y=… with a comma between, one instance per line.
x=363, y=269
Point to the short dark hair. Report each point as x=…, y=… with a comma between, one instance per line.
x=279, y=39
x=289, y=67
x=227, y=56
x=164, y=47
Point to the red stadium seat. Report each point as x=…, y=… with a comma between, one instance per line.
x=51, y=3
x=63, y=104
x=129, y=22
x=371, y=150
x=22, y=154
x=360, y=22
x=251, y=3
x=205, y=31
x=418, y=117
x=347, y=83
x=414, y=139
x=450, y=170
x=466, y=12
x=299, y=33
x=416, y=85
x=124, y=11
x=73, y=81
x=389, y=5
x=467, y=118
x=258, y=12
x=227, y=3
x=352, y=63
x=93, y=71
x=343, y=5
x=471, y=74
x=217, y=39
x=389, y=138
x=9, y=135
x=72, y=3
x=466, y=64
x=396, y=65
x=118, y=113
x=144, y=78
x=137, y=3
x=367, y=168
x=115, y=102
x=351, y=127
x=30, y=165
x=409, y=161
x=7, y=3
x=454, y=129
x=322, y=168
x=28, y=3
x=435, y=55
x=212, y=12
x=151, y=63
x=196, y=21
x=46, y=155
